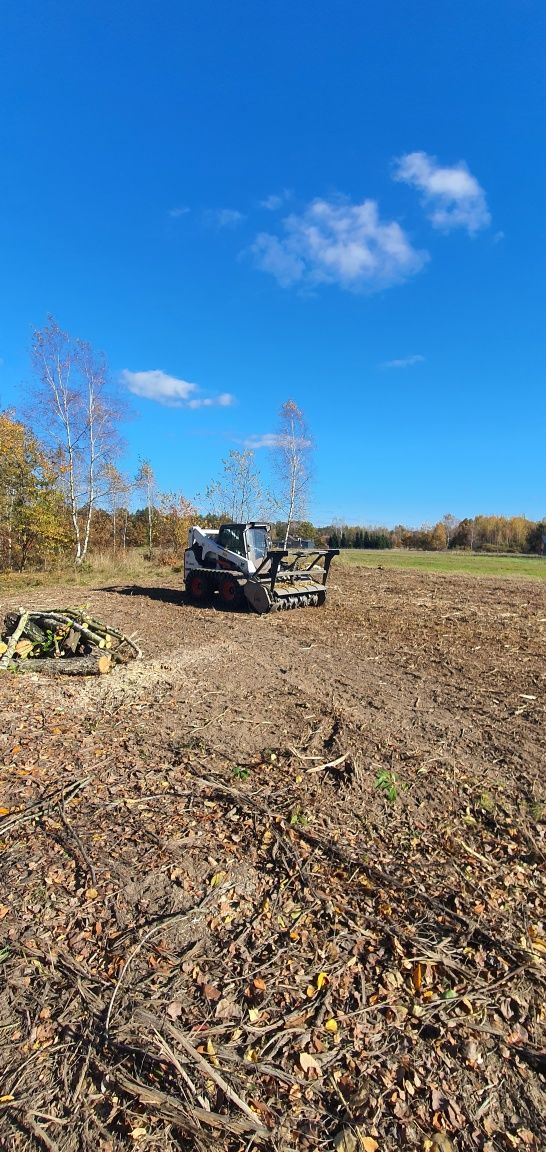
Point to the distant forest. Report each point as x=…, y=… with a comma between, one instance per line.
x=43, y=521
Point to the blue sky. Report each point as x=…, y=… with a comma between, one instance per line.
x=341, y=203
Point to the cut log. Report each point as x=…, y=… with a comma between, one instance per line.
x=23, y=648
x=32, y=629
x=71, y=666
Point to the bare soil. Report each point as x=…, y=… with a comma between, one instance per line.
x=281, y=883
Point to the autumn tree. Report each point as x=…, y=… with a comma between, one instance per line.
x=32, y=521
x=177, y=514
x=76, y=411
x=292, y=455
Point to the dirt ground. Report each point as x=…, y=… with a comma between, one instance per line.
x=280, y=884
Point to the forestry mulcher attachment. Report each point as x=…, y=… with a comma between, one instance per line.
x=238, y=562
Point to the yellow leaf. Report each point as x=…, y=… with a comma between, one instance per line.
x=253, y=1015
x=310, y=991
x=211, y=1051
x=417, y=976
x=6, y=1099
x=331, y=1025
x=368, y=1143
x=217, y=879
x=322, y=979
x=91, y=894
x=138, y=1133
x=4, y=811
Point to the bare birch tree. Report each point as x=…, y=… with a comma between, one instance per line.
x=119, y=494
x=238, y=495
x=293, y=464
x=146, y=483
x=78, y=416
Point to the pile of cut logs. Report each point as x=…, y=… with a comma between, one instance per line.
x=64, y=641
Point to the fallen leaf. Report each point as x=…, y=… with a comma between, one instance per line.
x=211, y=992
x=442, y=1143
x=417, y=976
x=331, y=1025
x=308, y=1062
x=368, y=1143
x=174, y=1009
x=345, y=1140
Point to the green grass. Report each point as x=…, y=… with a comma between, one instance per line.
x=528, y=567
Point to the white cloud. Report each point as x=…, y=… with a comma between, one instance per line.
x=404, y=362
x=223, y=217
x=452, y=196
x=176, y=213
x=171, y=391
x=273, y=440
x=337, y=242
x=276, y=200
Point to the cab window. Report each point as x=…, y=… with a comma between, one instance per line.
x=232, y=537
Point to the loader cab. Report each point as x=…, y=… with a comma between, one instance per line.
x=251, y=541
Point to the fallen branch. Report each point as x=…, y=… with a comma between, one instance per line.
x=39, y=807
x=194, y=914
x=208, y=1070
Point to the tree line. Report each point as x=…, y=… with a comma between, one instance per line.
x=496, y=534
x=63, y=495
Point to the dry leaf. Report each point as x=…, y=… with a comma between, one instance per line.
x=308, y=1062
x=174, y=1009
x=211, y=992
x=345, y=1140
x=368, y=1143
x=417, y=976
x=331, y=1025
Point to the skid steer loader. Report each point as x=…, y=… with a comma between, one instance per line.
x=238, y=563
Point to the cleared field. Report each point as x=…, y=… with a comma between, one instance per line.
x=282, y=883
x=533, y=567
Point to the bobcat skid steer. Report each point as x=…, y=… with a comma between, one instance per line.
x=237, y=562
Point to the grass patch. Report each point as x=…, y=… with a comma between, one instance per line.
x=133, y=568
x=527, y=567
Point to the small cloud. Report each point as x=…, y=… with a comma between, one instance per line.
x=176, y=213
x=170, y=390
x=498, y=237
x=276, y=200
x=223, y=217
x=337, y=242
x=273, y=440
x=403, y=362
x=452, y=196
